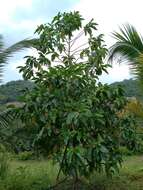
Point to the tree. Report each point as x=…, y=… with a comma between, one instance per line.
x=11, y=91
x=129, y=47
x=75, y=116
x=131, y=88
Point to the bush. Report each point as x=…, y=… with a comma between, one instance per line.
x=26, y=155
x=139, y=149
x=125, y=151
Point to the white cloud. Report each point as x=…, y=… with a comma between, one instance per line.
x=21, y=61
x=11, y=68
x=8, y=8
x=19, y=19
x=26, y=24
x=117, y=73
x=109, y=15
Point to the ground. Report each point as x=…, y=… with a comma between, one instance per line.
x=38, y=175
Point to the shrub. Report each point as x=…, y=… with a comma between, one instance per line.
x=125, y=151
x=26, y=155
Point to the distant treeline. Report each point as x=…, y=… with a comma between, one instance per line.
x=11, y=91
x=131, y=87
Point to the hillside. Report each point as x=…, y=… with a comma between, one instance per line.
x=131, y=88
x=11, y=91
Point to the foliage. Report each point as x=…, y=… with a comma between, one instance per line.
x=16, y=137
x=135, y=107
x=5, y=54
x=22, y=179
x=25, y=155
x=38, y=175
x=4, y=162
x=76, y=117
x=11, y=91
x=5, y=118
x=4, y=165
x=129, y=47
x=131, y=88
x=125, y=151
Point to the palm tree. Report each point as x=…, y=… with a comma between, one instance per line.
x=5, y=54
x=129, y=47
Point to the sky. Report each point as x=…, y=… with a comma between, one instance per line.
x=19, y=19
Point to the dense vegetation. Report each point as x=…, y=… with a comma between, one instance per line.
x=12, y=91
x=67, y=118
x=131, y=88
x=39, y=175
x=79, y=121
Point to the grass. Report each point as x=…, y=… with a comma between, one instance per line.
x=29, y=175
x=38, y=175
x=129, y=178
x=37, y=167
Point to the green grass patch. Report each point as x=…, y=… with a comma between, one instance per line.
x=129, y=178
x=39, y=175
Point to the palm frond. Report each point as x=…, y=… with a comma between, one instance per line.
x=1, y=58
x=128, y=46
x=137, y=70
x=124, y=51
x=5, y=54
x=7, y=116
x=19, y=46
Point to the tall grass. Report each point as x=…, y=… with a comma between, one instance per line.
x=4, y=162
x=29, y=175
x=4, y=165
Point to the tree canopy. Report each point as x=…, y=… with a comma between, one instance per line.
x=76, y=117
